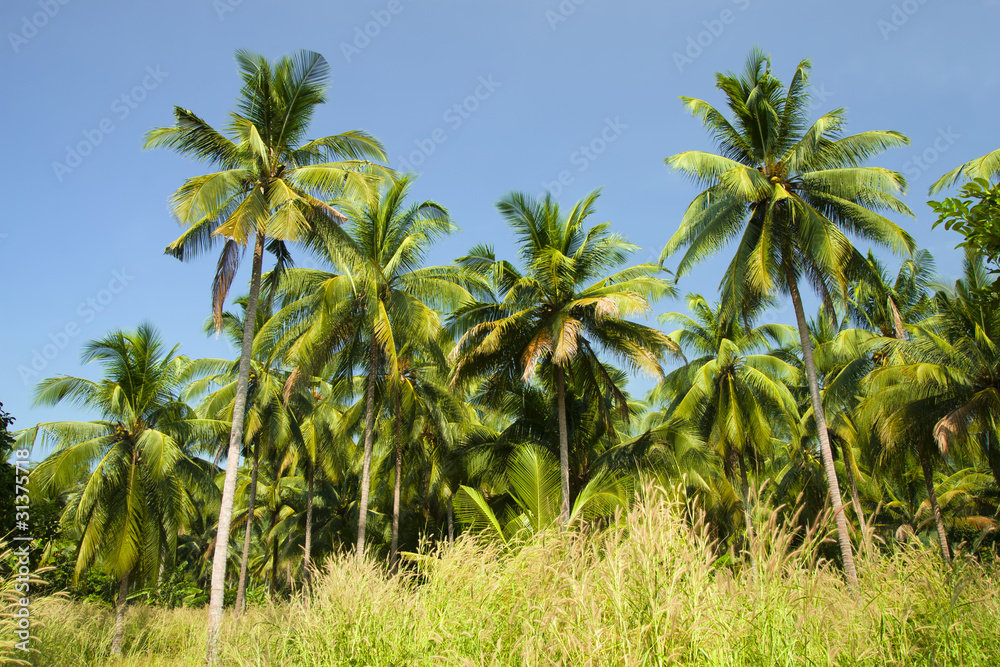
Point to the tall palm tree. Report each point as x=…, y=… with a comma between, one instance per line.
x=563, y=308
x=273, y=186
x=127, y=470
x=789, y=193
x=352, y=319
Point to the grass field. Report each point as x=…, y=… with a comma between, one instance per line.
x=649, y=592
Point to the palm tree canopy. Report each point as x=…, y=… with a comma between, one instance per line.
x=789, y=191
x=273, y=181
x=565, y=303
x=127, y=471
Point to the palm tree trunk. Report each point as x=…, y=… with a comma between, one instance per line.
x=451, y=521
x=563, y=446
x=233, y=459
x=747, y=509
x=425, y=506
x=729, y=466
x=843, y=536
x=394, y=549
x=366, y=466
x=743, y=477
x=992, y=455
x=855, y=498
x=241, y=589
x=119, y=637
x=925, y=463
x=274, y=557
x=307, y=556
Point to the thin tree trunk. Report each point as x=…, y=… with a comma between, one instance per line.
x=992, y=455
x=366, y=466
x=843, y=536
x=743, y=477
x=233, y=460
x=563, y=446
x=241, y=589
x=307, y=556
x=274, y=557
x=119, y=638
x=425, y=503
x=729, y=466
x=451, y=521
x=747, y=509
x=394, y=549
x=855, y=498
x=925, y=463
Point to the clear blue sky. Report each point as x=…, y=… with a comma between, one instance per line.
x=557, y=77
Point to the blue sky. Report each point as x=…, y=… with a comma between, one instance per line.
x=535, y=82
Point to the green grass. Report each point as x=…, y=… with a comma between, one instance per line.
x=649, y=592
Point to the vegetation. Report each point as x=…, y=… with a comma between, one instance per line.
x=412, y=464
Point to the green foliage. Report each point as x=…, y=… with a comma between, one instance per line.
x=975, y=214
x=8, y=474
x=125, y=474
x=398, y=402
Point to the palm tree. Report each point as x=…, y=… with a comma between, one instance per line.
x=946, y=393
x=273, y=186
x=883, y=305
x=382, y=295
x=737, y=396
x=127, y=471
x=789, y=192
x=561, y=309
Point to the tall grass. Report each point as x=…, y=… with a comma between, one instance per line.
x=650, y=591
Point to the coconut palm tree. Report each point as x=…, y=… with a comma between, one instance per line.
x=422, y=412
x=788, y=193
x=946, y=393
x=273, y=187
x=885, y=305
x=565, y=306
x=733, y=391
x=127, y=471
x=351, y=320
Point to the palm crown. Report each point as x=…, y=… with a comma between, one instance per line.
x=560, y=310
x=790, y=191
x=274, y=182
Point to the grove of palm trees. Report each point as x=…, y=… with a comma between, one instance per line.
x=570, y=454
